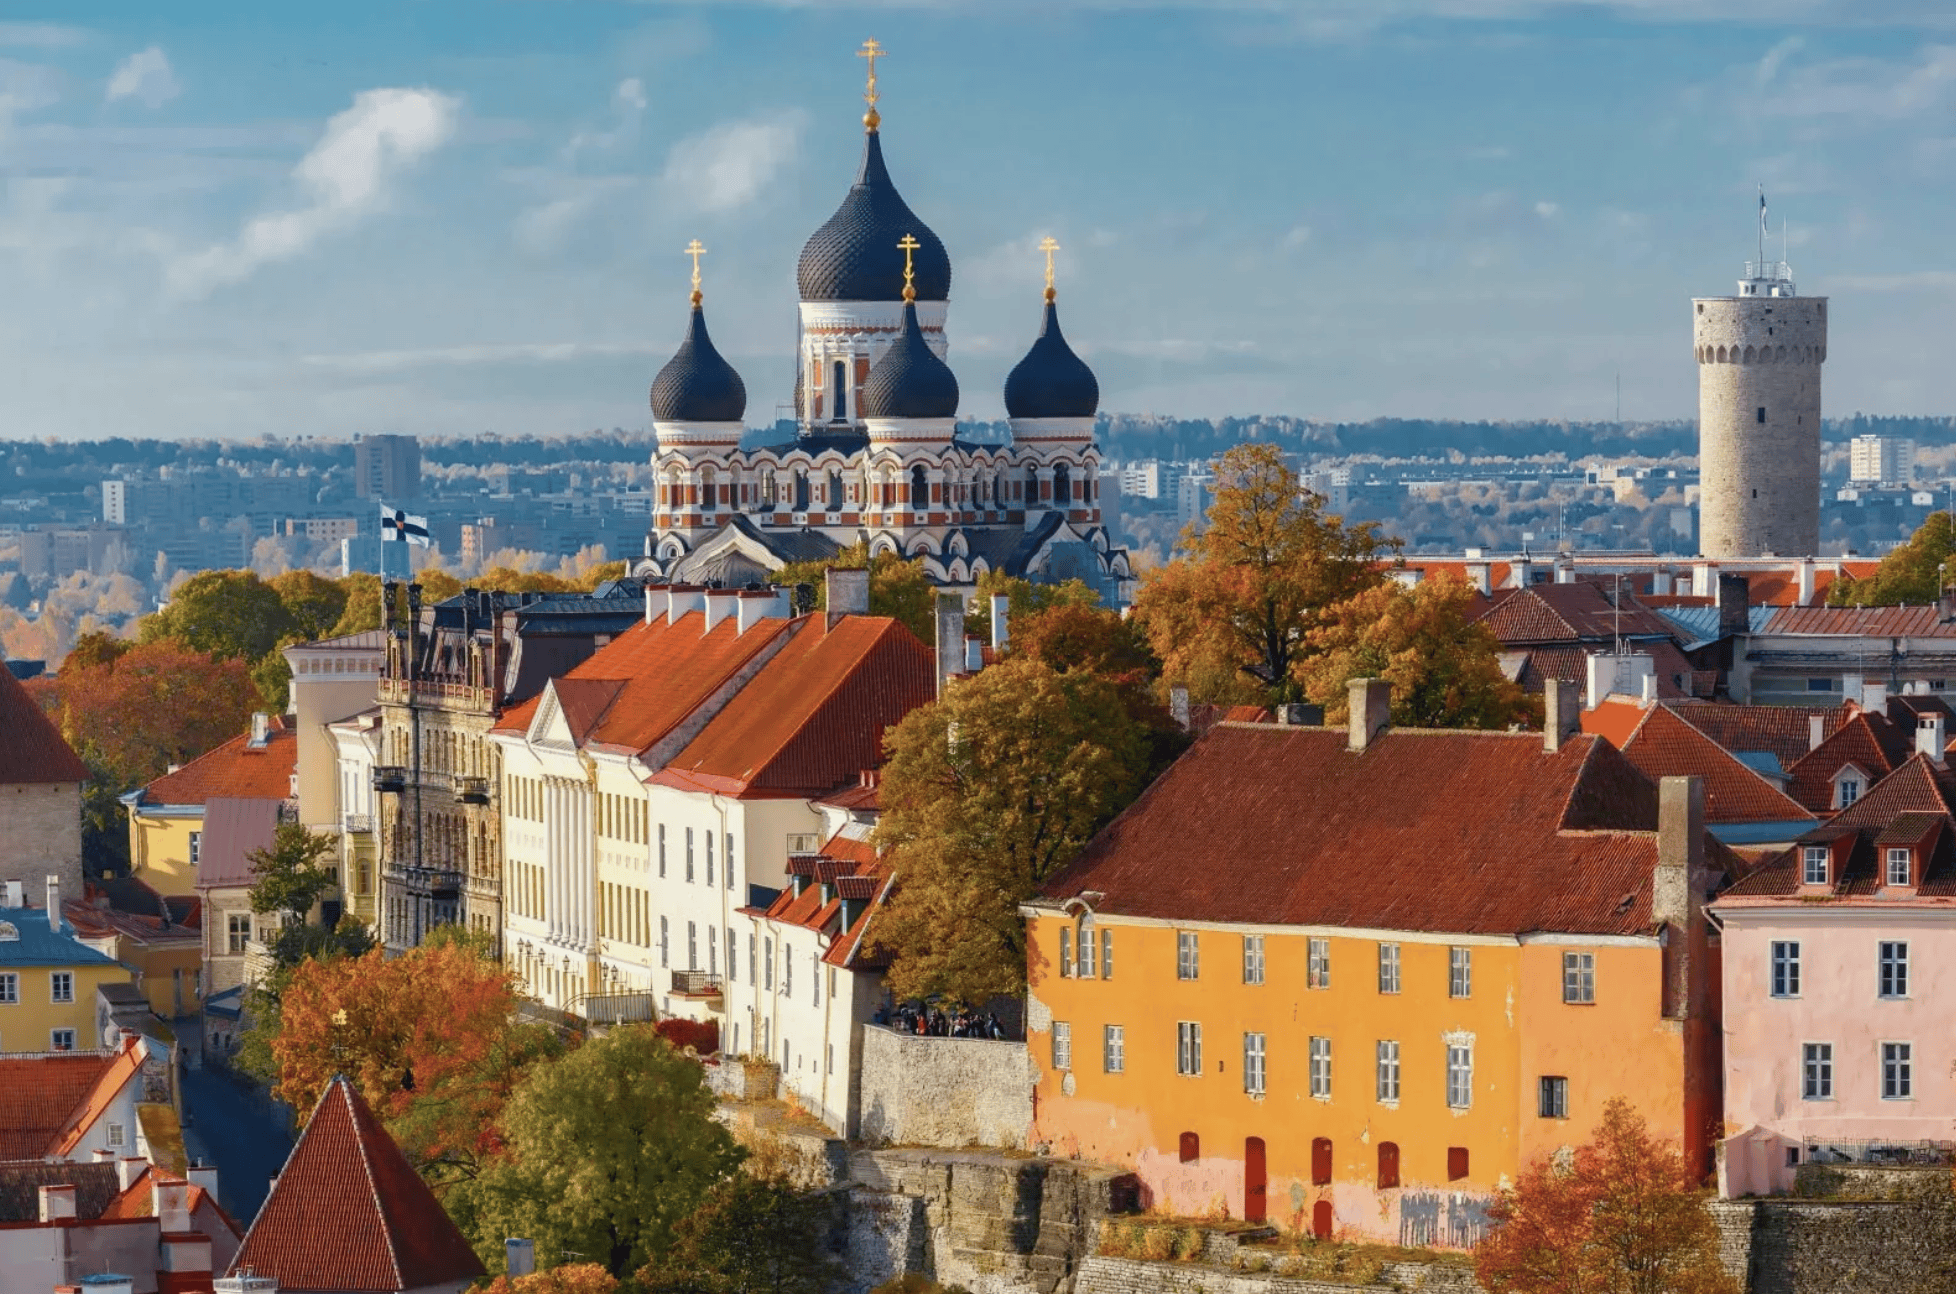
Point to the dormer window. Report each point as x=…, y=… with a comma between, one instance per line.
x=1847, y=787
x=1814, y=869
x=1898, y=866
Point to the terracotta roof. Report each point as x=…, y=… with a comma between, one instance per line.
x=1582, y=611
x=348, y=1212
x=1878, y=622
x=815, y=714
x=1898, y=809
x=1613, y=719
x=34, y=751
x=39, y=1095
x=236, y=769
x=1869, y=741
x=1666, y=744
x=1471, y=832
x=21, y=1181
x=139, y=1201
x=1785, y=731
x=233, y=830
x=109, y=1083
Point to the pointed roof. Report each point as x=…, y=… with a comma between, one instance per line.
x=1898, y=809
x=1666, y=744
x=697, y=385
x=1051, y=381
x=1582, y=611
x=854, y=255
x=41, y=1096
x=350, y=1213
x=34, y=751
x=909, y=380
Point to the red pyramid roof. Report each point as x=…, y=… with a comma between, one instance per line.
x=34, y=751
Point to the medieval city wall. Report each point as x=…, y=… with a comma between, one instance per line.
x=1759, y=364
x=945, y=1092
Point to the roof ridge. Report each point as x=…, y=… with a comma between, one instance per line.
x=876, y=639
x=1730, y=758
x=387, y=1230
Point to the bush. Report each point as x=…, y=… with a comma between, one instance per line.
x=1157, y=1244
x=1188, y=1244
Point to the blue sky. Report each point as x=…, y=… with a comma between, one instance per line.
x=452, y=217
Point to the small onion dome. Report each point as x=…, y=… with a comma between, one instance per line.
x=1051, y=381
x=696, y=385
x=854, y=257
x=909, y=381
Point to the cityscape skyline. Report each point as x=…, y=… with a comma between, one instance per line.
x=389, y=223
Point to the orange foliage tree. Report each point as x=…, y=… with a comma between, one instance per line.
x=430, y=1038
x=131, y=714
x=571, y=1278
x=1624, y=1216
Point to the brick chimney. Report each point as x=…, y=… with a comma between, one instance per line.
x=1677, y=890
x=1371, y=710
x=1561, y=713
x=1734, y=606
x=1931, y=738
x=950, y=638
x=1001, y=627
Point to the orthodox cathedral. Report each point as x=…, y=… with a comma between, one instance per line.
x=875, y=457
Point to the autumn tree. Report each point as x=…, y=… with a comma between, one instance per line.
x=749, y=1236
x=1917, y=572
x=897, y=588
x=571, y=1278
x=986, y=793
x=225, y=613
x=605, y=1152
x=1625, y=1215
x=1444, y=667
x=314, y=602
x=1229, y=619
x=362, y=611
x=1025, y=599
x=292, y=873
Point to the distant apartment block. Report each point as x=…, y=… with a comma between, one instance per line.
x=1878, y=459
x=56, y=554
x=1141, y=480
x=387, y=467
x=1192, y=495
x=322, y=529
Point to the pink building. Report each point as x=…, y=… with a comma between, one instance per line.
x=1840, y=984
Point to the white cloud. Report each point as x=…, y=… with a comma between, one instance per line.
x=729, y=165
x=1862, y=89
x=1774, y=59
x=1296, y=238
x=144, y=75
x=1548, y=210
x=346, y=178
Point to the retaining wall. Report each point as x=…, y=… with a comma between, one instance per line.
x=946, y=1092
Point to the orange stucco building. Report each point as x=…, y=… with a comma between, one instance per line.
x=1350, y=982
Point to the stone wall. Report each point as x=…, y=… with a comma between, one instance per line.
x=43, y=838
x=1134, y=1276
x=1783, y=1246
x=946, y=1092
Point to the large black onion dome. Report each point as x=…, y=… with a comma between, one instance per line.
x=855, y=257
x=696, y=385
x=1051, y=381
x=909, y=381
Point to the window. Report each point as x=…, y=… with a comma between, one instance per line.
x=9, y=989
x=1188, y=1048
x=814, y=980
x=709, y=858
x=1460, y=1076
x=1786, y=968
x=196, y=847
x=1456, y=1163
x=1190, y=1148
x=1817, y=1071
x=1460, y=972
x=665, y=944
x=1894, y=969
x=662, y=849
x=1113, y=1049
x=239, y=930
x=768, y=953
x=1388, y=968
x=1898, y=860
x=1814, y=864
x=1552, y=1098
x=1187, y=959
x=1253, y=1063
x=692, y=946
x=1321, y=1068
x=1106, y=953
x=1087, y=946
x=1579, y=978
x=61, y=1040
x=118, y=1136
x=831, y=1058
x=1388, y=1071
x=726, y=860
x=1897, y=1071
x=1847, y=791
x=689, y=855
x=787, y=970
x=1062, y=1045
x=1066, y=952
x=733, y=953
x=1253, y=959
x=61, y=986
x=1317, y=973
x=1760, y=416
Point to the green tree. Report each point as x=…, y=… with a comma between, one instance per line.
x=362, y=605
x=606, y=1151
x=749, y=1236
x=897, y=588
x=314, y=602
x=291, y=874
x=1228, y=619
x=1915, y=573
x=986, y=793
x=230, y=614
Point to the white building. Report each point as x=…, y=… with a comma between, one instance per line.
x=356, y=749
x=1141, y=479
x=1192, y=495
x=1881, y=460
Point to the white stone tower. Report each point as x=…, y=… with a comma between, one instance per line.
x=1759, y=357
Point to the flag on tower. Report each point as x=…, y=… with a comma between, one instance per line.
x=398, y=525
x=1762, y=211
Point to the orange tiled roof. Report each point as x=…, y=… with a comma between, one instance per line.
x=1784, y=730
x=1877, y=622
x=348, y=1212
x=139, y=1201
x=1470, y=832
x=39, y=1096
x=112, y=1079
x=850, y=867
x=34, y=751
x=1613, y=719
x=1900, y=807
x=1571, y=613
x=813, y=716
x=237, y=770
x=1868, y=741
x=1665, y=744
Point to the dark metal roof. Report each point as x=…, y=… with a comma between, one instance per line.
x=855, y=257
x=697, y=385
x=1051, y=381
x=909, y=381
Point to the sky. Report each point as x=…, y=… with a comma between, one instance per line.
x=452, y=217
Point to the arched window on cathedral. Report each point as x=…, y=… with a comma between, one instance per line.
x=842, y=390
x=801, y=491
x=707, y=489
x=835, y=490
x=998, y=487
x=1032, y=486
x=769, y=495
x=919, y=490
x=1062, y=485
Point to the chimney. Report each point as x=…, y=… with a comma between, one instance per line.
x=1676, y=894
x=1294, y=714
x=1930, y=738
x=974, y=653
x=756, y=605
x=1178, y=706
x=57, y=1202
x=1565, y=570
x=1704, y=582
x=111, y=1283
x=1803, y=576
x=203, y=1176
x=1524, y=572
x=1874, y=697
x=127, y=1171
x=848, y=592
x=720, y=604
x=521, y=1256
x=1480, y=575
x=261, y=728
x=55, y=922
x=16, y=894
x=1371, y=710
x=1816, y=730
x=1734, y=600
x=1647, y=694
x=682, y=598
x=104, y=1155
x=1001, y=626
x=172, y=1197
x=950, y=637
x=1660, y=580
x=655, y=602
x=1561, y=713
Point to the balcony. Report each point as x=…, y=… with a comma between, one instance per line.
x=357, y=824
x=472, y=790
x=695, y=985
x=390, y=778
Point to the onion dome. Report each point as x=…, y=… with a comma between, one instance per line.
x=1051, y=381
x=854, y=256
x=696, y=385
x=909, y=381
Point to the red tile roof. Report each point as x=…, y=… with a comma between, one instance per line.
x=1878, y=622
x=1785, y=731
x=1570, y=613
x=815, y=714
x=139, y=1201
x=34, y=751
x=39, y=1095
x=1869, y=741
x=1614, y=719
x=236, y=769
x=108, y=1084
x=1471, y=832
x=350, y=1213
x=1899, y=808
x=1666, y=744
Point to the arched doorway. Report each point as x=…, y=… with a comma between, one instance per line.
x=1256, y=1181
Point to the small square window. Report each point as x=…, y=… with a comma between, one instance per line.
x=118, y=1136
x=61, y=986
x=1813, y=865
x=9, y=988
x=61, y=1040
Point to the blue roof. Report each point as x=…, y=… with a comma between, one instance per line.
x=1698, y=626
x=1760, y=761
x=1759, y=833
x=34, y=944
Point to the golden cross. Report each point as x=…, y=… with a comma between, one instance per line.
x=696, y=249
x=909, y=244
x=871, y=51
x=1048, y=246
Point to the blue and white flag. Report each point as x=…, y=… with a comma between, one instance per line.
x=1762, y=211
x=398, y=525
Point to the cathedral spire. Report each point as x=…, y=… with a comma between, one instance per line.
x=871, y=51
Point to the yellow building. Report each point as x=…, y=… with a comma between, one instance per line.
x=48, y=980
x=1351, y=983
x=166, y=818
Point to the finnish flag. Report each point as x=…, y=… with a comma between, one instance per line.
x=395, y=524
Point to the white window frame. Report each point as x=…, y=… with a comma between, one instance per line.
x=1253, y=1058
x=1113, y=1049
x=1579, y=978
x=1817, y=1071
x=1106, y=952
x=1897, y=1071
x=1460, y=972
x=1784, y=968
x=1188, y=1048
x=1086, y=949
x=1848, y=784
x=1891, y=969
x=665, y=944
x=196, y=847
x=1388, y=968
x=1066, y=951
x=1321, y=1068
x=61, y=1040
x=1253, y=959
x=1813, y=865
x=61, y=987
x=1386, y=1071
x=9, y=988
x=118, y=1136
x=1317, y=971
x=1902, y=855
x=1188, y=955
x=1062, y=1045
x=1460, y=1076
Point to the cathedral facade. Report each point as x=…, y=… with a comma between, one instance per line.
x=875, y=458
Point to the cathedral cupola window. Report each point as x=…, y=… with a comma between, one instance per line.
x=801, y=491
x=919, y=490
x=835, y=491
x=1062, y=485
